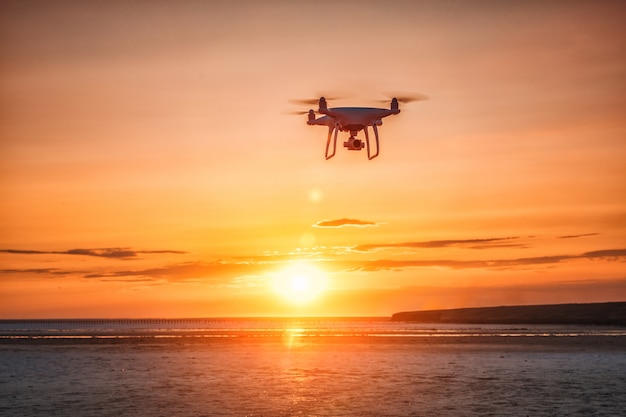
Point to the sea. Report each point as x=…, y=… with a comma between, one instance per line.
x=308, y=367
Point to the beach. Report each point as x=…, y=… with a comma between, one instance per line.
x=469, y=372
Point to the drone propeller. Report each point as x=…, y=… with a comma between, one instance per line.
x=406, y=98
x=313, y=101
x=298, y=112
x=309, y=102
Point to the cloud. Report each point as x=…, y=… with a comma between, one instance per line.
x=113, y=253
x=577, y=236
x=464, y=243
x=390, y=264
x=253, y=269
x=608, y=253
x=219, y=273
x=46, y=271
x=345, y=222
x=216, y=272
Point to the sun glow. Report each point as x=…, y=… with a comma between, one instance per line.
x=300, y=283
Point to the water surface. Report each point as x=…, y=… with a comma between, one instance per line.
x=308, y=367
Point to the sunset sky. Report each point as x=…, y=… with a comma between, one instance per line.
x=149, y=166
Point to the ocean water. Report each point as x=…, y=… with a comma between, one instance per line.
x=308, y=367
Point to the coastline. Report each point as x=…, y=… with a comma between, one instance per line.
x=597, y=314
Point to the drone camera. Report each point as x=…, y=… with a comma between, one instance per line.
x=354, y=144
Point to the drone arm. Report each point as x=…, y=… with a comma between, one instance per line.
x=330, y=132
x=367, y=140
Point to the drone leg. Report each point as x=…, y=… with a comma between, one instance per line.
x=330, y=132
x=367, y=139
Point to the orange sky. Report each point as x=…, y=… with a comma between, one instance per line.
x=149, y=168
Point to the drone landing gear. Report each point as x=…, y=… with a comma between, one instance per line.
x=367, y=140
x=353, y=144
x=330, y=132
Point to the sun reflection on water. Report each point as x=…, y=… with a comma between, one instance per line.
x=293, y=337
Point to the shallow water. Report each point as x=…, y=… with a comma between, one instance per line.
x=304, y=371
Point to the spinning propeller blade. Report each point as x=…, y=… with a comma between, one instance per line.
x=309, y=102
x=405, y=98
x=408, y=98
x=313, y=101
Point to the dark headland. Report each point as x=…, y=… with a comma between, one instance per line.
x=608, y=314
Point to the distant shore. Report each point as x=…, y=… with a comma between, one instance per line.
x=609, y=314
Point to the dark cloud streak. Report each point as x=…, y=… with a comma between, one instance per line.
x=47, y=271
x=577, y=236
x=381, y=264
x=208, y=271
x=433, y=244
x=112, y=253
x=225, y=272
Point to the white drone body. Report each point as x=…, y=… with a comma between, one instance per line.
x=353, y=120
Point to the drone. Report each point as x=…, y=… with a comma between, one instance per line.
x=353, y=120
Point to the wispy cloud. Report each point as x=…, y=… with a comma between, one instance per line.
x=254, y=270
x=345, y=222
x=114, y=253
x=381, y=264
x=577, y=236
x=607, y=253
x=216, y=272
x=465, y=243
x=44, y=271
x=222, y=272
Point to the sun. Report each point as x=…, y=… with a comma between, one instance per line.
x=300, y=283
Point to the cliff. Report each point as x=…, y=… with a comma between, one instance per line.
x=588, y=314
